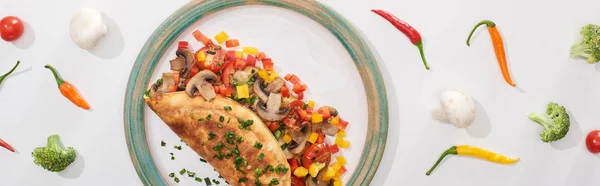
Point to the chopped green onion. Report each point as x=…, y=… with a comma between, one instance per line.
x=202, y=160
x=182, y=171
x=274, y=181
x=258, y=145
x=172, y=175
x=227, y=108
x=162, y=143
x=207, y=181
x=211, y=136
x=257, y=172
x=177, y=147
x=208, y=116
x=261, y=156
x=242, y=180
x=221, y=118
x=176, y=180
x=198, y=179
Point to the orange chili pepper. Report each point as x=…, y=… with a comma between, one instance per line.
x=498, y=48
x=68, y=90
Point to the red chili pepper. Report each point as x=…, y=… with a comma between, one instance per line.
x=6, y=145
x=409, y=31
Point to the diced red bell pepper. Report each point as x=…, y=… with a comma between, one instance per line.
x=287, y=77
x=230, y=56
x=217, y=89
x=325, y=112
x=300, y=95
x=285, y=91
x=226, y=90
x=182, y=44
x=228, y=69
x=240, y=63
x=261, y=56
x=299, y=88
x=250, y=60
x=294, y=79
x=232, y=43
x=267, y=64
x=342, y=124
x=293, y=164
x=309, y=110
x=202, y=38
x=304, y=115
x=321, y=137
x=274, y=126
x=334, y=149
x=195, y=69
x=172, y=88
x=343, y=170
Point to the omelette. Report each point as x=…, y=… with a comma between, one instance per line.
x=227, y=134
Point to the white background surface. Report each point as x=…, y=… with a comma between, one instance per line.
x=537, y=35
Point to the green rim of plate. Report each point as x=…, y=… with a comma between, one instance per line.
x=168, y=31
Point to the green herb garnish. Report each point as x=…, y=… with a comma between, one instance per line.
x=242, y=180
x=221, y=118
x=218, y=147
x=207, y=181
x=211, y=52
x=261, y=156
x=274, y=181
x=198, y=179
x=211, y=136
x=191, y=174
x=284, y=146
x=202, y=160
x=178, y=147
x=208, y=116
x=257, y=172
x=162, y=143
x=229, y=137
x=176, y=180
x=258, y=145
x=227, y=108
x=182, y=171
x=172, y=175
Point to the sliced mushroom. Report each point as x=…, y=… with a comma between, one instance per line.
x=154, y=90
x=260, y=92
x=271, y=111
x=332, y=111
x=275, y=86
x=318, y=181
x=299, y=138
x=329, y=129
x=189, y=58
x=241, y=76
x=177, y=64
x=202, y=83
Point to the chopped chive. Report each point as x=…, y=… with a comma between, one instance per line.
x=211, y=52
x=239, y=139
x=258, y=145
x=203, y=144
x=277, y=134
x=191, y=174
x=192, y=115
x=202, y=160
x=218, y=147
x=258, y=172
x=284, y=146
x=221, y=118
x=261, y=156
x=172, y=175
x=177, y=147
x=220, y=126
x=162, y=143
x=211, y=136
x=240, y=120
x=198, y=179
x=207, y=181
x=172, y=157
x=208, y=116
x=176, y=180
x=242, y=180
x=227, y=108
x=200, y=119
x=274, y=181
x=228, y=119
x=216, y=181
x=182, y=171
x=171, y=154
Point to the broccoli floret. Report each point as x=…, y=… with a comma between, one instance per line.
x=589, y=46
x=555, y=121
x=53, y=157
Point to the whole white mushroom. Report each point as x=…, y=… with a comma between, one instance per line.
x=456, y=107
x=87, y=28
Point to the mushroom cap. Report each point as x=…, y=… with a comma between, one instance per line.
x=87, y=28
x=458, y=108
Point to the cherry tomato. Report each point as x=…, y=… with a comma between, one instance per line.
x=293, y=164
x=592, y=141
x=297, y=181
x=214, y=58
x=318, y=152
x=11, y=28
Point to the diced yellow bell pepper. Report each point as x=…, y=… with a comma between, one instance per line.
x=314, y=169
x=313, y=137
x=272, y=76
x=242, y=91
x=335, y=120
x=201, y=56
x=262, y=73
x=250, y=50
x=311, y=104
x=239, y=54
x=316, y=118
x=341, y=160
x=300, y=172
x=341, y=133
x=336, y=166
x=221, y=37
x=338, y=176
x=340, y=142
x=329, y=173
x=337, y=183
x=287, y=138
